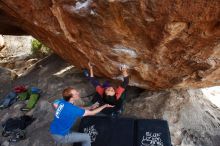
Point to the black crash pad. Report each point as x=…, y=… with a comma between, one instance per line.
x=152, y=133
x=108, y=131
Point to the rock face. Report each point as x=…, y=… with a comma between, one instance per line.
x=16, y=54
x=166, y=44
x=15, y=46
x=6, y=77
x=193, y=120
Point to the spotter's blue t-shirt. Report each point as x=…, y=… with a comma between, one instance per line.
x=65, y=117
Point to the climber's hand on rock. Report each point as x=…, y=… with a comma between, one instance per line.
x=90, y=65
x=124, y=70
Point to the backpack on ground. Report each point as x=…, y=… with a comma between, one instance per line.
x=15, y=127
x=32, y=101
x=20, y=89
x=23, y=95
x=34, y=97
x=8, y=100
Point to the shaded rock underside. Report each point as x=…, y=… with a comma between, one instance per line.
x=165, y=44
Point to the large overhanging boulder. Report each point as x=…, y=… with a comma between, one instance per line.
x=165, y=43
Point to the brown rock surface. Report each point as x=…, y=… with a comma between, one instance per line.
x=166, y=44
x=193, y=120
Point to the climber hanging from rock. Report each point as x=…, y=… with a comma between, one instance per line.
x=108, y=94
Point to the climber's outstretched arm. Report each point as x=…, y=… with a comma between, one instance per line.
x=124, y=84
x=91, y=77
x=94, y=81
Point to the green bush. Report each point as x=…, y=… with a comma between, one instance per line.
x=38, y=49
